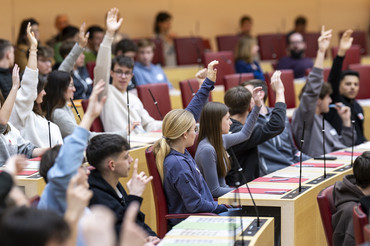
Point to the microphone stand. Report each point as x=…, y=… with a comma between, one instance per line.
x=323, y=144
x=191, y=88
x=199, y=55
x=48, y=118
x=73, y=104
x=128, y=120
x=300, y=159
x=353, y=132
x=240, y=79
x=156, y=104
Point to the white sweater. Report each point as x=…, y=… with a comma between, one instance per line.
x=114, y=114
x=32, y=127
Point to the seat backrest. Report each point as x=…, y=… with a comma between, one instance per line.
x=232, y=80
x=353, y=56
x=160, y=201
x=359, y=221
x=310, y=39
x=272, y=46
x=97, y=125
x=90, y=68
x=188, y=89
x=327, y=208
x=227, y=42
x=161, y=95
x=189, y=50
x=225, y=63
x=367, y=233
x=359, y=38
x=364, y=72
x=287, y=76
x=158, y=57
x=326, y=73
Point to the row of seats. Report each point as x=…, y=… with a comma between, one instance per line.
x=327, y=209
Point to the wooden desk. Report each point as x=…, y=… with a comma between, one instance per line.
x=300, y=217
x=216, y=230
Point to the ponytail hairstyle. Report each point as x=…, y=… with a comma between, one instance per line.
x=210, y=128
x=175, y=124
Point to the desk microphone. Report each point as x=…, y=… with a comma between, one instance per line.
x=156, y=104
x=300, y=158
x=323, y=144
x=240, y=79
x=73, y=104
x=48, y=118
x=199, y=55
x=242, y=177
x=191, y=88
x=128, y=120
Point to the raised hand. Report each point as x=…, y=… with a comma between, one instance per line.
x=257, y=96
x=132, y=234
x=324, y=39
x=276, y=83
x=82, y=37
x=15, y=164
x=211, y=71
x=98, y=227
x=136, y=185
x=201, y=75
x=31, y=37
x=344, y=113
x=95, y=105
x=345, y=42
x=15, y=77
x=78, y=196
x=112, y=23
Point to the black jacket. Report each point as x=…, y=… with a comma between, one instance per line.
x=104, y=194
x=357, y=112
x=247, y=152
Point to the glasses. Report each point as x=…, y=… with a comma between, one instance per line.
x=120, y=73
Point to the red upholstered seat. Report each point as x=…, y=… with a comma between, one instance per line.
x=225, y=63
x=189, y=50
x=353, y=56
x=97, y=125
x=90, y=68
x=232, y=80
x=188, y=89
x=364, y=71
x=160, y=198
x=161, y=95
x=359, y=221
x=310, y=39
x=327, y=208
x=227, y=42
x=359, y=38
x=326, y=73
x=272, y=46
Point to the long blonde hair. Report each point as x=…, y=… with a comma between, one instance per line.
x=243, y=49
x=175, y=124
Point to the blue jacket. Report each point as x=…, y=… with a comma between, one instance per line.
x=152, y=75
x=244, y=67
x=184, y=185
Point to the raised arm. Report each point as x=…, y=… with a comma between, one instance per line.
x=27, y=94
x=104, y=57
x=70, y=60
x=7, y=107
x=323, y=43
x=244, y=134
x=336, y=68
x=201, y=97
